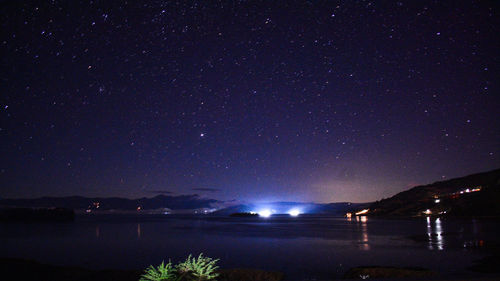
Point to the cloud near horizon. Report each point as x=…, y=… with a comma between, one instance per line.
x=161, y=191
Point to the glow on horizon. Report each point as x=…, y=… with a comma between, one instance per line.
x=265, y=213
x=294, y=212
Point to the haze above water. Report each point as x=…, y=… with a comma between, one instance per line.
x=302, y=247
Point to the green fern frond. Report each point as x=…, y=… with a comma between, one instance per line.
x=164, y=272
x=201, y=268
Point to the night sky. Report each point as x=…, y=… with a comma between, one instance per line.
x=322, y=101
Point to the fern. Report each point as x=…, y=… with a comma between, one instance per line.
x=199, y=269
x=164, y=272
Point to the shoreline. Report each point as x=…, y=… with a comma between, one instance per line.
x=31, y=270
x=26, y=269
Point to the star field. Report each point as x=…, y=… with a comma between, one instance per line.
x=248, y=100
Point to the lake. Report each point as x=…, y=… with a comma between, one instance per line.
x=302, y=247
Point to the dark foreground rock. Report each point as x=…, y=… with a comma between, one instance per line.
x=489, y=264
x=370, y=272
x=24, y=270
x=241, y=274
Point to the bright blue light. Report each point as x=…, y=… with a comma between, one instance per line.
x=265, y=213
x=294, y=212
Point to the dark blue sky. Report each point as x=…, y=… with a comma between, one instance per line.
x=250, y=100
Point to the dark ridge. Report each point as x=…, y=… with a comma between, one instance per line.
x=473, y=195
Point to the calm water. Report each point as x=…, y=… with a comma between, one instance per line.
x=305, y=247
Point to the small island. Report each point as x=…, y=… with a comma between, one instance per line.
x=244, y=214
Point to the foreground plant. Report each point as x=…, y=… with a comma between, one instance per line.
x=198, y=269
x=164, y=272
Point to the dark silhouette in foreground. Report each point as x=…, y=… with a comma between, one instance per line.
x=28, y=270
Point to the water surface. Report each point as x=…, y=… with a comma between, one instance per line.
x=304, y=247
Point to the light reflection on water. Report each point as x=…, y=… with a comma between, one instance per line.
x=439, y=232
x=435, y=234
x=429, y=233
x=363, y=227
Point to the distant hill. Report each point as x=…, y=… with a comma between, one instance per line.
x=181, y=202
x=473, y=195
x=113, y=203
x=285, y=207
x=29, y=214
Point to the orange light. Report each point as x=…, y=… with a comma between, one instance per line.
x=362, y=212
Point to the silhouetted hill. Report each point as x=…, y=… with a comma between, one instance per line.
x=113, y=203
x=473, y=195
x=29, y=214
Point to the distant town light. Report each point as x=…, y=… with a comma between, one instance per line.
x=348, y=215
x=427, y=212
x=362, y=212
x=265, y=213
x=294, y=212
x=437, y=201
